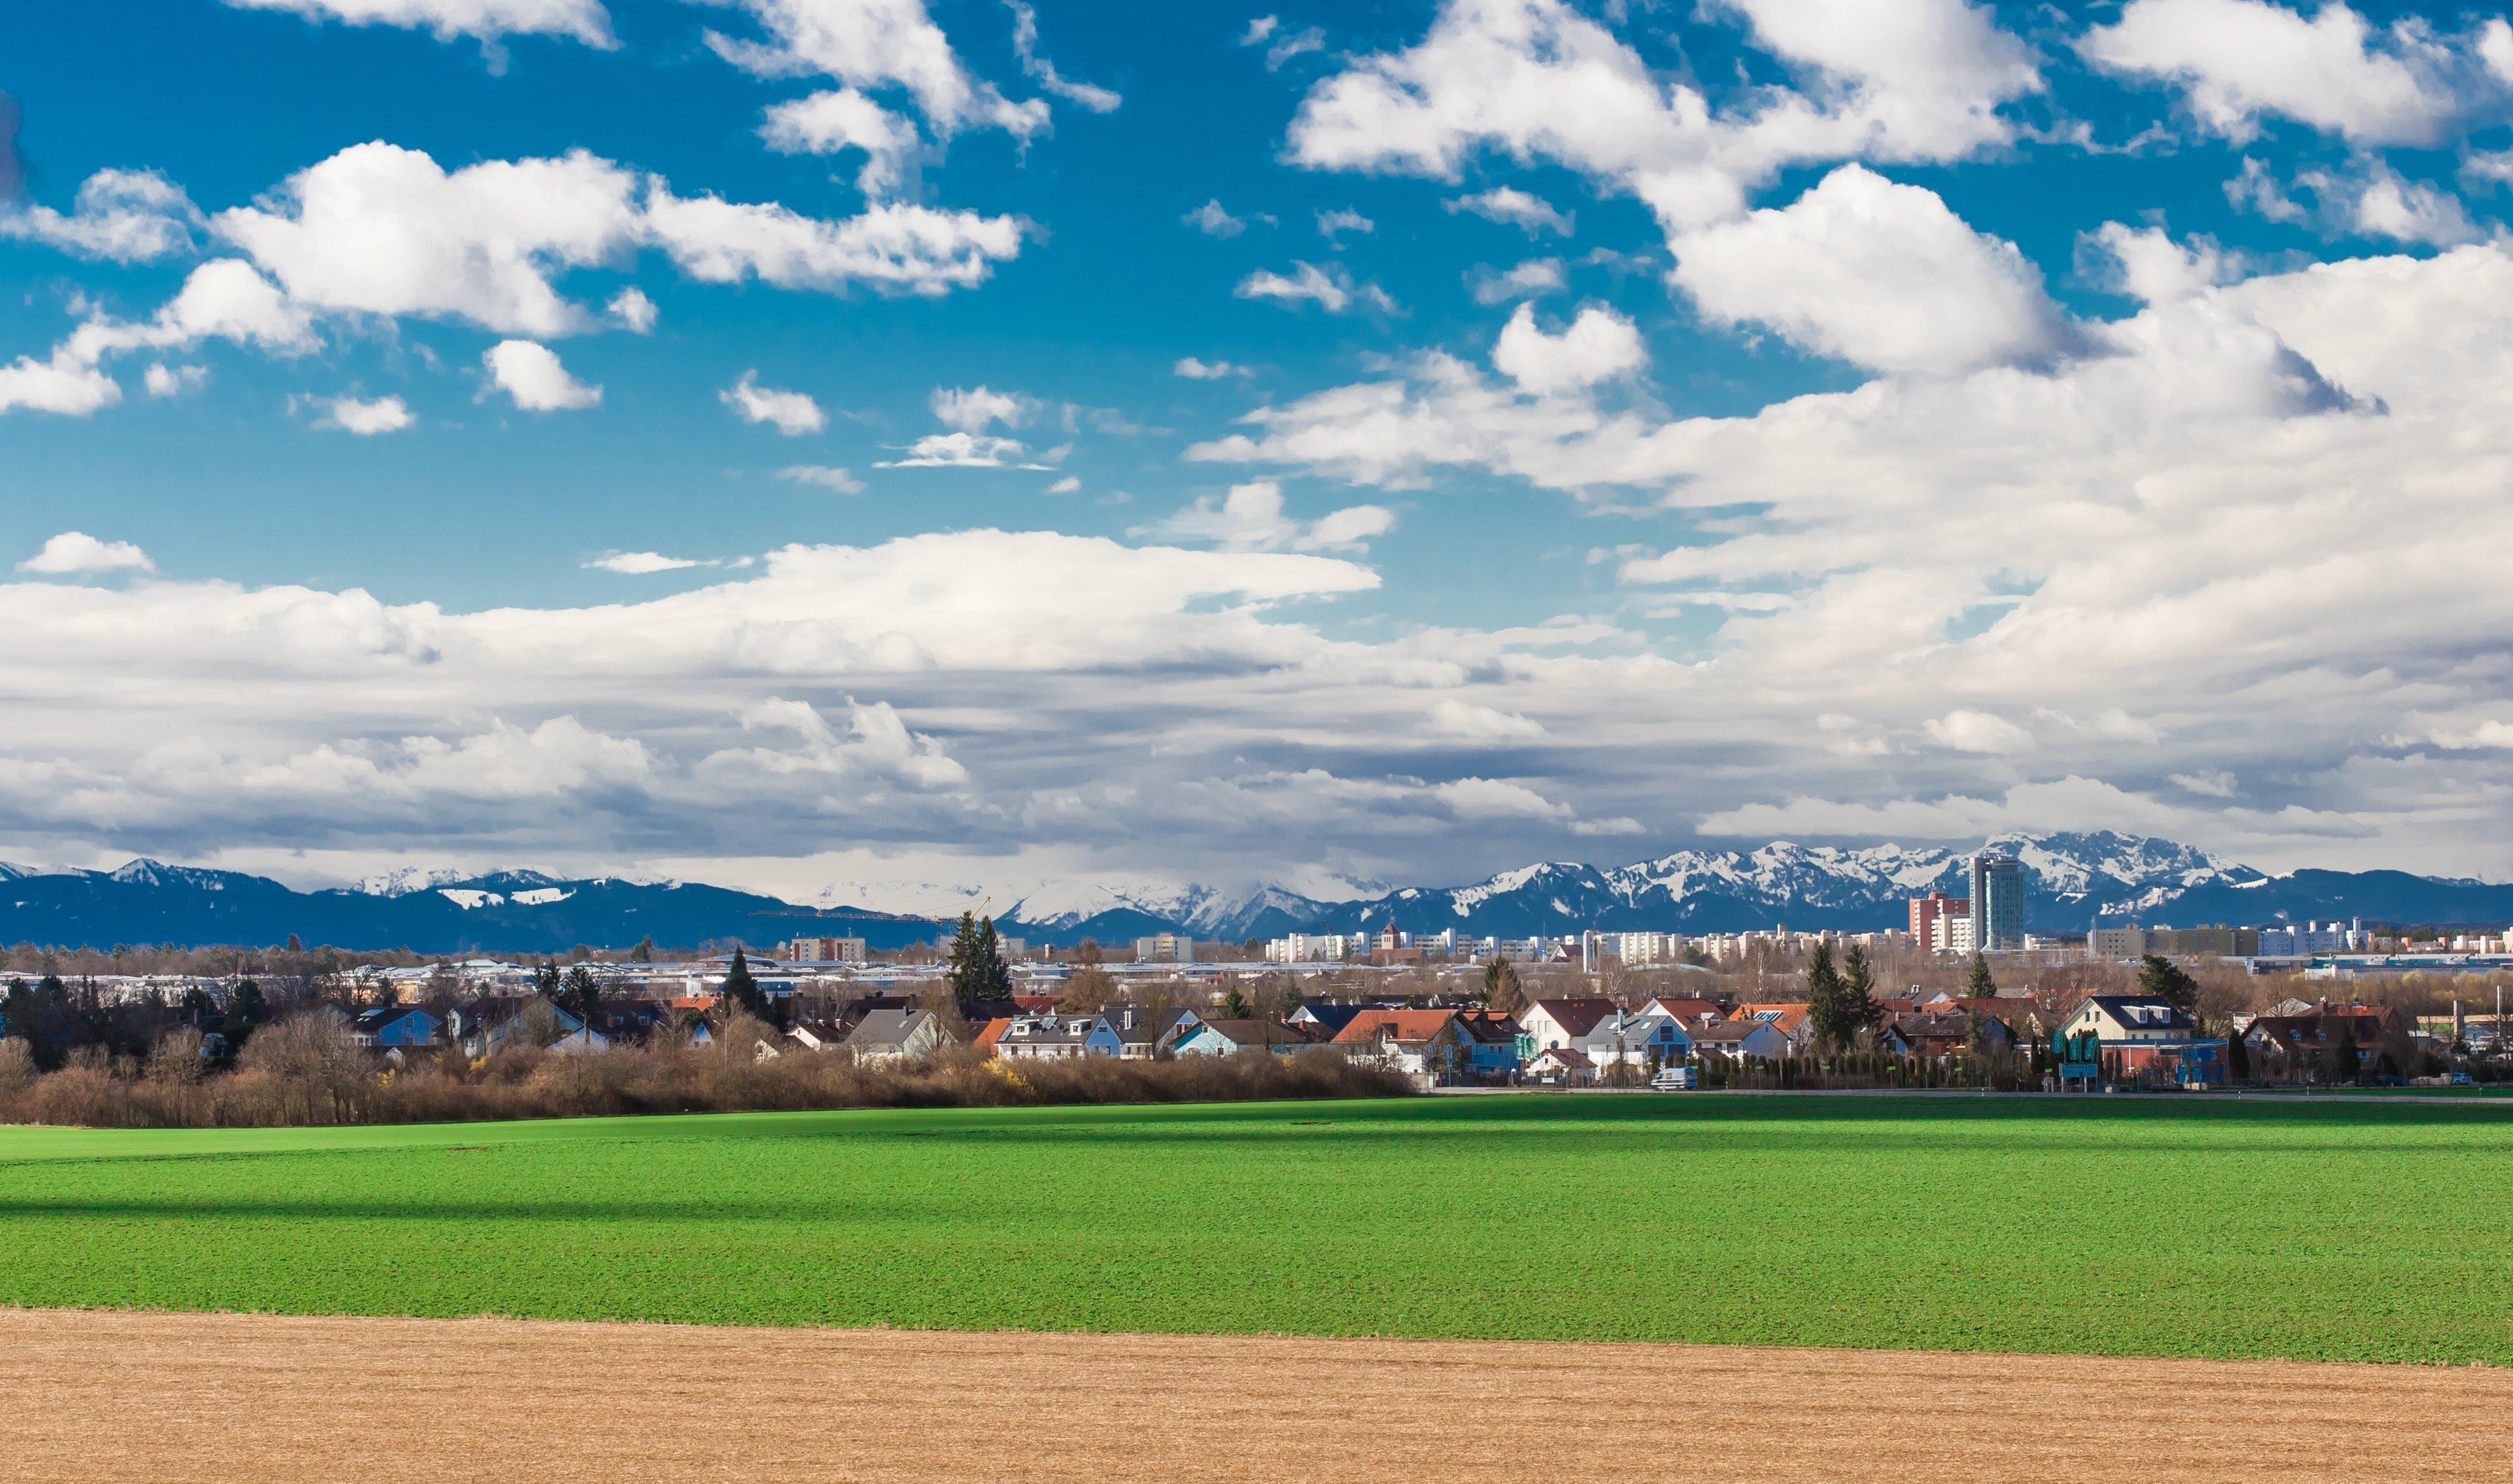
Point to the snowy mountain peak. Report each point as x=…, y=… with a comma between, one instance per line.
x=410, y=880
x=146, y=872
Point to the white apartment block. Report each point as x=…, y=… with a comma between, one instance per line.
x=822, y=950
x=1645, y=947
x=2330, y=937
x=1314, y=947
x=1165, y=948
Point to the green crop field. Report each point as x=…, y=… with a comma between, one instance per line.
x=2358, y=1231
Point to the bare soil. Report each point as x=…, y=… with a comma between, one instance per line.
x=185, y=1397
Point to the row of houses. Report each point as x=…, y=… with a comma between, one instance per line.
x=1579, y=1041
x=1554, y=1041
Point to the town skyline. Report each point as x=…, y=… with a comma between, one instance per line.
x=2060, y=887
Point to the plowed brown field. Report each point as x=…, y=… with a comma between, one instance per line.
x=138, y=1397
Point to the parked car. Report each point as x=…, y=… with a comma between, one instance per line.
x=2463, y=1079
x=1675, y=1079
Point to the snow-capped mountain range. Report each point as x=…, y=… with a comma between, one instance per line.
x=2071, y=880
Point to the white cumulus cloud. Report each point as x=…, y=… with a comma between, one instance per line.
x=1509, y=205
x=829, y=477
x=641, y=563
x=791, y=413
x=368, y=416
x=2237, y=61
x=1330, y=288
x=1597, y=346
x=1250, y=517
x=484, y=20
x=119, y=216
x=964, y=451
x=832, y=122
x=971, y=409
x=1213, y=220
x=1877, y=273
x=532, y=376
x=75, y=552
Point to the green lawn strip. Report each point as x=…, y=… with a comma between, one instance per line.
x=2338, y=1232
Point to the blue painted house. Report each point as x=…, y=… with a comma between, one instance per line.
x=389, y=1025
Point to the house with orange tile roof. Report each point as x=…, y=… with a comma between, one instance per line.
x=1421, y=1043
x=1790, y=1018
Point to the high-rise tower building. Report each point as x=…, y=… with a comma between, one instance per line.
x=1997, y=900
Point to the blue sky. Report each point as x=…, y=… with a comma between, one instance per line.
x=484, y=432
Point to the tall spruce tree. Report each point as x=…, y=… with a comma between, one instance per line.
x=2163, y=979
x=1503, y=994
x=581, y=993
x=978, y=968
x=1858, y=986
x=1982, y=986
x=1825, y=1005
x=742, y=991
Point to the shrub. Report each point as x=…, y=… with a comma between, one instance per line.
x=307, y=1069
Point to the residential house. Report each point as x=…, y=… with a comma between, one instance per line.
x=487, y=1026
x=1562, y=1066
x=2141, y=1036
x=820, y=1035
x=1937, y=1034
x=1231, y=1038
x=388, y=1027
x=1049, y=1037
x=1690, y=1010
x=1736, y=1041
x=2320, y=1030
x=1149, y=1035
x=897, y=1035
x=1422, y=1043
x=1330, y=1018
x=1790, y=1018
x=1638, y=1040
x=1548, y=1023
x=1492, y=1049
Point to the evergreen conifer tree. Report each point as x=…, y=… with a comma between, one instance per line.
x=978, y=968
x=1982, y=986
x=1824, y=1004
x=1503, y=993
x=2162, y=979
x=248, y=1004
x=581, y=993
x=1858, y=986
x=742, y=991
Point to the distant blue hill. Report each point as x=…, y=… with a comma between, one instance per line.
x=146, y=901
